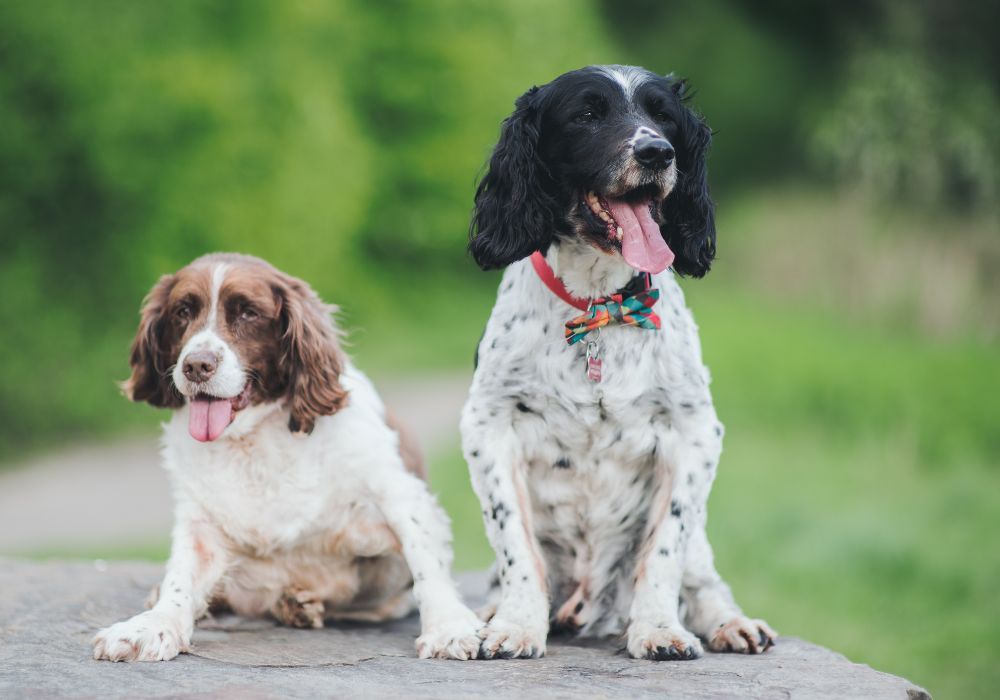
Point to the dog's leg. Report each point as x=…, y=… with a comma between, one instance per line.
x=520, y=625
x=197, y=562
x=682, y=479
x=712, y=613
x=449, y=629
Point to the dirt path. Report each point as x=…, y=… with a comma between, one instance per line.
x=80, y=498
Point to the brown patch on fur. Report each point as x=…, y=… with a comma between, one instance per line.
x=409, y=450
x=394, y=608
x=659, y=510
x=299, y=608
x=153, y=598
x=152, y=352
x=524, y=503
x=311, y=355
x=203, y=553
x=573, y=613
x=363, y=538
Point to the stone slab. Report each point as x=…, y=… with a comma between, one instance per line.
x=49, y=611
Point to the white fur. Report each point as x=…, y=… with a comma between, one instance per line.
x=643, y=131
x=229, y=378
x=628, y=77
x=265, y=516
x=594, y=495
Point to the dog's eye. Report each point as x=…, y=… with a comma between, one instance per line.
x=662, y=117
x=183, y=313
x=586, y=117
x=248, y=314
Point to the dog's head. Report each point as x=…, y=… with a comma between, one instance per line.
x=610, y=154
x=230, y=331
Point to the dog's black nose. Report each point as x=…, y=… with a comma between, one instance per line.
x=200, y=366
x=653, y=152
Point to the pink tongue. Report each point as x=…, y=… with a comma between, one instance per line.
x=209, y=417
x=642, y=245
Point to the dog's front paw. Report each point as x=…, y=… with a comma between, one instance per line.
x=668, y=643
x=743, y=636
x=149, y=636
x=506, y=639
x=455, y=637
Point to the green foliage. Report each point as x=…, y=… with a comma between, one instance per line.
x=341, y=141
x=902, y=130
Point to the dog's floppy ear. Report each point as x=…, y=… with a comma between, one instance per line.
x=688, y=211
x=150, y=357
x=514, y=216
x=310, y=360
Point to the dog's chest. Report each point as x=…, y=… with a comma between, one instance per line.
x=590, y=447
x=268, y=497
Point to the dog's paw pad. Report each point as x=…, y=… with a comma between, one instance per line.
x=741, y=635
x=670, y=643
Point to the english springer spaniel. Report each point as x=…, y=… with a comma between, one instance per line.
x=589, y=430
x=296, y=495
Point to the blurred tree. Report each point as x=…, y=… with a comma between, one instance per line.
x=895, y=96
x=334, y=139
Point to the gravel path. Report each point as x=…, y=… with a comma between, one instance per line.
x=86, y=496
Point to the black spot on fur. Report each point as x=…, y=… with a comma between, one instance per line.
x=675, y=509
x=523, y=408
x=664, y=552
x=562, y=463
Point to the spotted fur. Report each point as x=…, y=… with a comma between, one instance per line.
x=594, y=495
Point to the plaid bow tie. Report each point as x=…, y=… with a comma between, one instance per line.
x=627, y=309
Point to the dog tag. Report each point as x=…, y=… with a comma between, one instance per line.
x=594, y=362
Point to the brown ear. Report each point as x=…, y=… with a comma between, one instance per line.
x=150, y=358
x=310, y=356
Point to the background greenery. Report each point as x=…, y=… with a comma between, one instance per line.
x=851, y=322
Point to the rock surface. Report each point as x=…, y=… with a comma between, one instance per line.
x=49, y=611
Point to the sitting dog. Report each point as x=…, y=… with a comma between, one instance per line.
x=294, y=495
x=589, y=431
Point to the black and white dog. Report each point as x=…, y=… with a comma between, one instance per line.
x=593, y=460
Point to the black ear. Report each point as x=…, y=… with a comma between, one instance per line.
x=514, y=215
x=688, y=211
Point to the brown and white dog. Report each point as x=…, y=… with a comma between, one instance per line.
x=295, y=497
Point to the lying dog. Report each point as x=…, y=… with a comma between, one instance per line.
x=293, y=496
x=589, y=430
